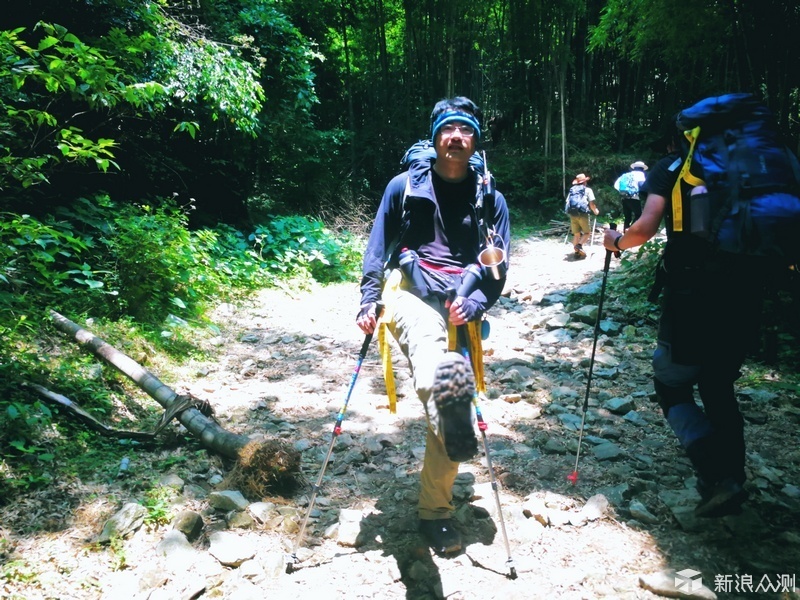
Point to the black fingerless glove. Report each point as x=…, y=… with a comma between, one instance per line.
x=365, y=310
x=471, y=309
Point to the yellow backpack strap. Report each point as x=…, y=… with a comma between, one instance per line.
x=685, y=175
x=391, y=286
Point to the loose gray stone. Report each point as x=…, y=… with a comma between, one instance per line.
x=172, y=481
x=619, y=406
x=263, y=511
x=635, y=418
x=570, y=421
x=189, y=523
x=585, y=314
x=240, y=520
x=125, y=522
x=230, y=549
x=607, y=451
x=640, y=513
x=227, y=500
x=555, y=337
x=177, y=550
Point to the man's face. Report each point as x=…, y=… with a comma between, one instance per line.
x=455, y=141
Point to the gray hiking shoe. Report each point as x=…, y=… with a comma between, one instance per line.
x=720, y=499
x=453, y=390
x=440, y=535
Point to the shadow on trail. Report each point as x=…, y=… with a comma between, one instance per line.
x=392, y=529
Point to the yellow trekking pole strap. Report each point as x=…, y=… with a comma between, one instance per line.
x=685, y=175
x=386, y=360
x=384, y=348
x=476, y=354
x=475, y=350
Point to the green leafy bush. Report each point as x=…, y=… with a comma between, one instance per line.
x=297, y=245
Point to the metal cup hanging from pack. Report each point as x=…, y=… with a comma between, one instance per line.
x=493, y=260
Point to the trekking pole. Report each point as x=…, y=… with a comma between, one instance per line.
x=573, y=477
x=594, y=222
x=337, y=429
x=482, y=426
x=471, y=279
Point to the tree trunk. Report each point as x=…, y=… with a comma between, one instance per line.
x=210, y=434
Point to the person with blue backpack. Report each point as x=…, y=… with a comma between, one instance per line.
x=579, y=203
x=628, y=185
x=728, y=191
x=434, y=220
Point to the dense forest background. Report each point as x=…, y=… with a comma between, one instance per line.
x=161, y=157
x=259, y=107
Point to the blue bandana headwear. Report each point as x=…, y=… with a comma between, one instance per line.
x=455, y=116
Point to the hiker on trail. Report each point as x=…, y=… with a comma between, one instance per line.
x=579, y=202
x=712, y=298
x=628, y=185
x=431, y=210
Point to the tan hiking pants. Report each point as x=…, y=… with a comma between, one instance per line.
x=421, y=332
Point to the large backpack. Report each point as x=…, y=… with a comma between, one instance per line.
x=577, y=202
x=627, y=185
x=417, y=161
x=423, y=150
x=752, y=179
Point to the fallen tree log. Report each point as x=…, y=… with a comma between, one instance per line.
x=261, y=468
x=206, y=430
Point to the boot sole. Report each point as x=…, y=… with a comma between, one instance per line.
x=453, y=390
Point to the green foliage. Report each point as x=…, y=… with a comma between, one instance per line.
x=297, y=245
x=632, y=281
x=638, y=29
x=151, y=248
x=116, y=547
x=42, y=258
x=18, y=571
x=158, y=502
x=46, y=89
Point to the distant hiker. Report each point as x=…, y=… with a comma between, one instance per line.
x=628, y=185
x=715, y=266
x=579, y=202
x=427, y=224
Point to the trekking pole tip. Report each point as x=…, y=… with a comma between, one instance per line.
x=573, y=477
x=512, y=573
x=289, y=567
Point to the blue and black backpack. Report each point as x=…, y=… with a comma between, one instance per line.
x=748, y=179
x=577, y=203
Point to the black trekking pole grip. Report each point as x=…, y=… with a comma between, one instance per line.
x=607, y=264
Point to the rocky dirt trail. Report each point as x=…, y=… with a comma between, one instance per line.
x=282, y=371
